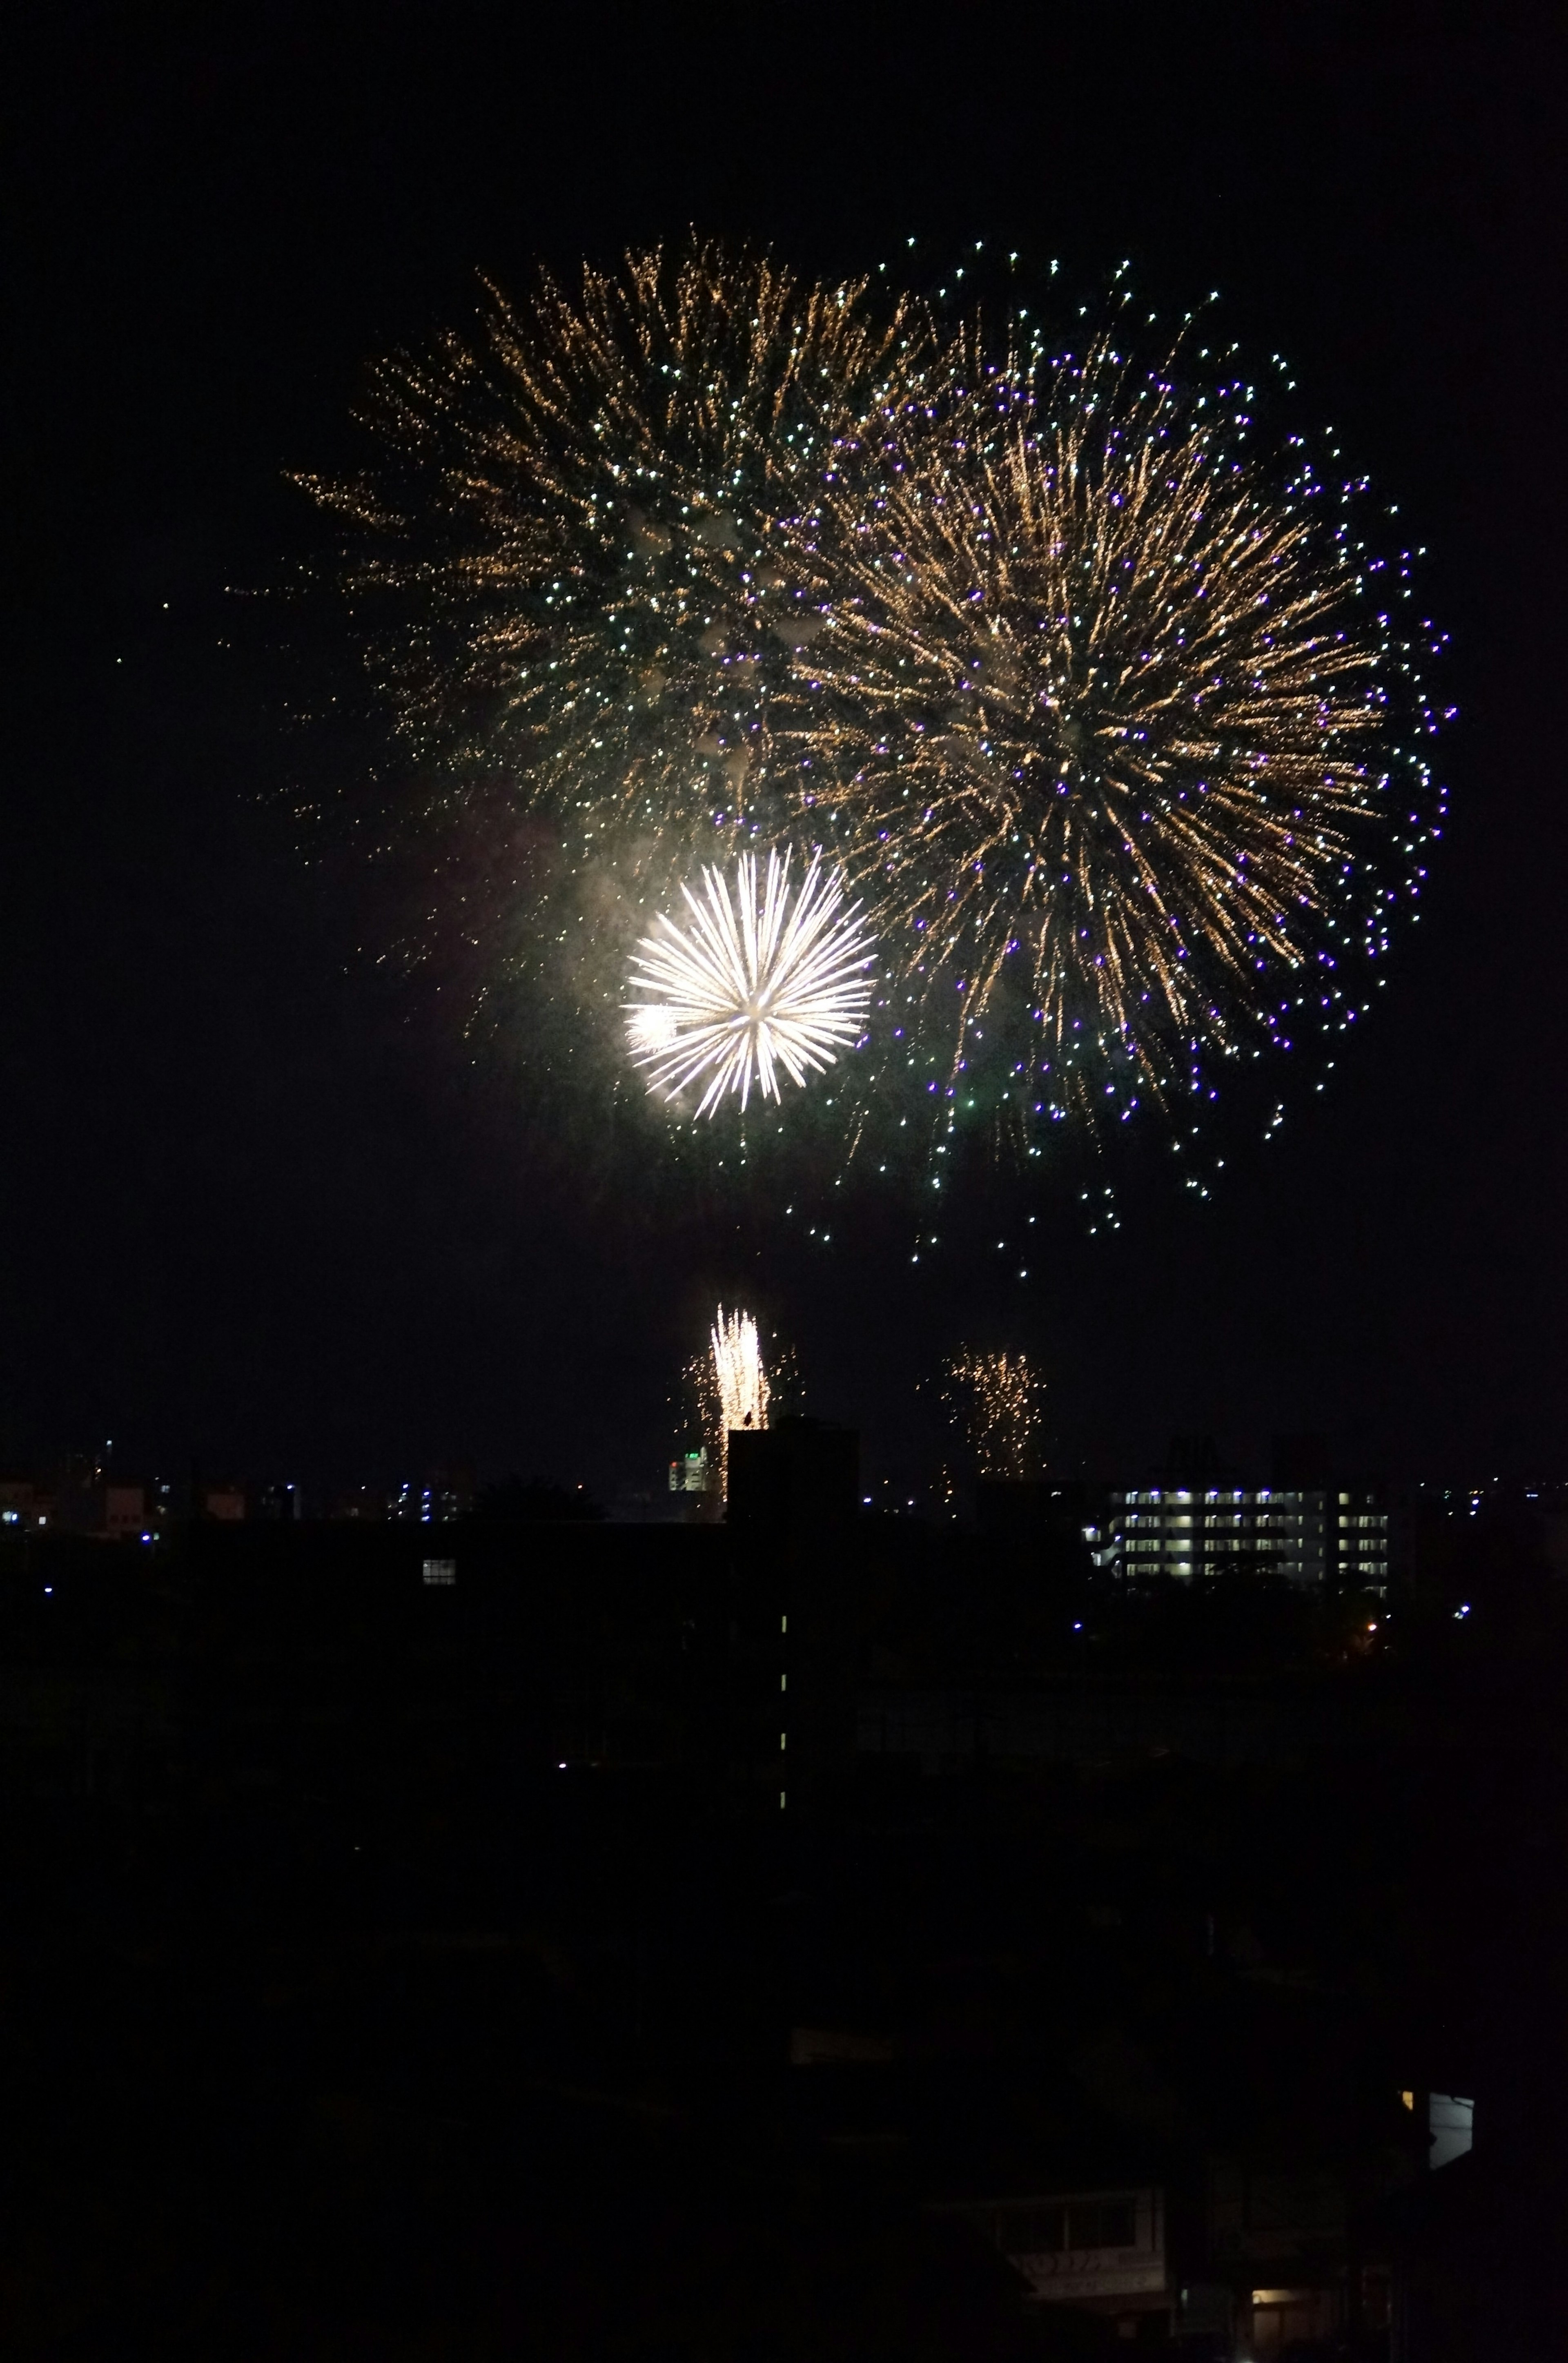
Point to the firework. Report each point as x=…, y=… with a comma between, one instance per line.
x=1085, y=684
x=584, y=550
x=740, y=1392
x=1111, y=706
x=754, y=983
x=996, y=1397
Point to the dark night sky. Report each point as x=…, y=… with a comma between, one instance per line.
x=257, y=1203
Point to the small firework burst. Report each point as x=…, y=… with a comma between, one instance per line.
x=996, y=1397
x=757, y=983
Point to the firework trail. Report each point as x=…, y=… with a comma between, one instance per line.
x=741, y=1393
x=752, y=984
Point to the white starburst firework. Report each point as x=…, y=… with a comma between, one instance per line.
x=752, y=984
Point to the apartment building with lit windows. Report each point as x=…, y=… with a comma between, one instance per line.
x=1366, y=1535
x=1311, y=1537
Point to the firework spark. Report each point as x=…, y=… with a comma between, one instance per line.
x=998, y=1400
x=753, y=984
x=741, y=1393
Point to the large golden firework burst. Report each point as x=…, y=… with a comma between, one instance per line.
x=584, y=551
x=1102, y=703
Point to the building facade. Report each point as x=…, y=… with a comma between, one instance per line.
x=1339, y=1537
x=1103, y=2251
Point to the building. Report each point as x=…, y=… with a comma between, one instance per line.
x=281, y=1500
x=87, y=1502
x=24, y=1504
x=1367, y=1531
x=689, y=1474
x=1159, y=1533
x=446, y=1494
x=1333, y=1537
x=125, y=1513
x=368, y=1502
x=794, y=1497
x=799, y=1478
x=1103, y=2251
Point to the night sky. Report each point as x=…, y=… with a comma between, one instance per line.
x=261, y=1204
